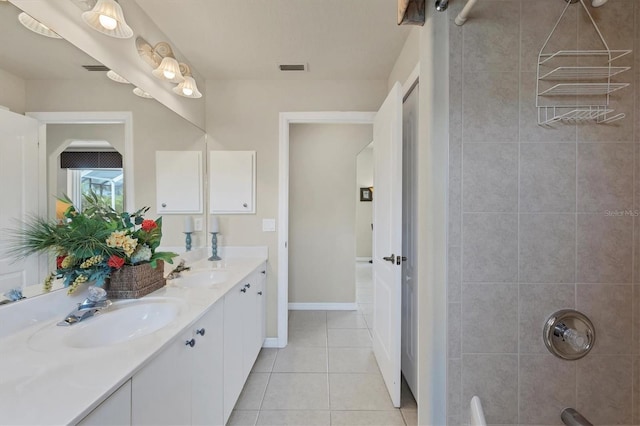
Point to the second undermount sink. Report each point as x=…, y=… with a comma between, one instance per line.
x=203, y=278
x=124, y=321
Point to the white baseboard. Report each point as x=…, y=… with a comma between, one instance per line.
x=323, y=306
x=271, y=342
x=363, y=259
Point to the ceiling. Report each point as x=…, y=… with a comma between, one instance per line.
x=32, y=56
x=222, y=39
x=338, y=39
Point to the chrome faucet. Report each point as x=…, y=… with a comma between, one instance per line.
x=176, y=271
x=96, y=302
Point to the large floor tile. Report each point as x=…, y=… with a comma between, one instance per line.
x=243, y=418
x=345, y=319
x=307, y=319
x=294, y=418
x=410, y=417
x=264, y=363
x=407, y=401
x=253, y=392
x=308, y=337
x=295, y=359
x=297, y=391
x=349, y=338
x=352, y=360
x=358, y=392
x=367, y=418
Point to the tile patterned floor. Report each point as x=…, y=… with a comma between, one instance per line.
x=327, y=375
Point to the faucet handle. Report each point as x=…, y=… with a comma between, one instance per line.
x=97, y=294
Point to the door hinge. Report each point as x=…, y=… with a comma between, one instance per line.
x=400, y=259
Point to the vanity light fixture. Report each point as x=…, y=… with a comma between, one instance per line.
x=169, y=70
x=161, y=58
x=36, y=26
x=117, y=77
x=188, y=87
x=139, y=92
x=107, y=17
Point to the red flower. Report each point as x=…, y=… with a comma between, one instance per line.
x=59, y=261
x=148, y=225
x=115, y=261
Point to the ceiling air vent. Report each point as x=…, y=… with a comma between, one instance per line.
x=95, y=68
x=293, y=67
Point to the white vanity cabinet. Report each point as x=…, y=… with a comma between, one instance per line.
x=114, y=411
x=244, y=319
x=182, y=385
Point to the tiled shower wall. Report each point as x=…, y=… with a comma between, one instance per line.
x=529, y=231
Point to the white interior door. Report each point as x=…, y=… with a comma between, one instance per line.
x=387, y=240
x=409, y=240
x=19, y=176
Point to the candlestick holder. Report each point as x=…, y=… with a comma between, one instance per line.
x=188, y=240
x=214, y=246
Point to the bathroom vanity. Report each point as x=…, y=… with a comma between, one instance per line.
x=180, y=355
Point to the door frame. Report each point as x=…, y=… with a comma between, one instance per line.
x=87, y=117
x=286, y=119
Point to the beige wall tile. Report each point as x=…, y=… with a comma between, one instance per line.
x=537, y=303
x=492, y=44
x=490, y=107
x=454, y=388
x=490, y=177
x=490, y=318
x=454, y=266
x=604, y=251
x=454, y=330
x=493, y=378
x=544, y=396
x=604, y=389
x=548, y=177
x=609, y=307
x=490, y=247
x=605, y=177
x=547, y=248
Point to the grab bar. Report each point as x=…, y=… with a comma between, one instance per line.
x=571, y=417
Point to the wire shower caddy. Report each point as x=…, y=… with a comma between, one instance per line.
x=589, y=86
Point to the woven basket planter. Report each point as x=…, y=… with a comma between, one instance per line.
x=133, y=282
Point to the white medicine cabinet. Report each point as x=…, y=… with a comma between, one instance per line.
x=179, y=182
x=232, y=182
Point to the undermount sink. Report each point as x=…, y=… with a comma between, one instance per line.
x=202, y=278
x=124, y=321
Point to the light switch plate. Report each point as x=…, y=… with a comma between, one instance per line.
x=197, y=224
x=268, y=225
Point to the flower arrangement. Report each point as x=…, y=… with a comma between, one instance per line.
x=91, y=244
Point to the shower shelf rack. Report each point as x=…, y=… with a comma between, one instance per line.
x=560, y=76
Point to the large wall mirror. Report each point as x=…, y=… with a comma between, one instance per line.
x=96, y=133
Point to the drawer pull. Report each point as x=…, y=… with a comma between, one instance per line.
x=200, y=331
x=191, y=342
x=244, y=290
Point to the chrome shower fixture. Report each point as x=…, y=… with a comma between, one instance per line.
x=441, y=5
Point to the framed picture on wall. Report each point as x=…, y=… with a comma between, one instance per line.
x=366, y=194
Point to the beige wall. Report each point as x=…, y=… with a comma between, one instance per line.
x=407, y=59
x=364, y=209
x=154, y=128
x=322, y=211
x=244, y=115
x=528, y=232
x=13, y=92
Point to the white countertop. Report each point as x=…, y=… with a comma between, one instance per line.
x=62, y=384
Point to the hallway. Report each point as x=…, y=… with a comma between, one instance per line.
x=327, y=375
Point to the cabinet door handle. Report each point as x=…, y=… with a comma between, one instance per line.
x=164, y=204
x=244, y=290
x=263, y=272
x=200, y=331
x=247, y=285
x=259, y=293
x=191, y=342
x=244, y=205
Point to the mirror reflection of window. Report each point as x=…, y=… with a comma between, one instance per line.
x=106, y=183
x=92, y=167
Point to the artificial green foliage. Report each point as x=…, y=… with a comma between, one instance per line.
x=91, y=244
